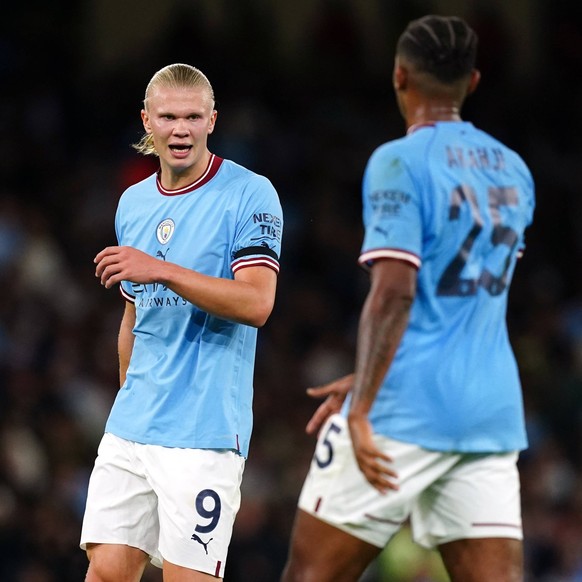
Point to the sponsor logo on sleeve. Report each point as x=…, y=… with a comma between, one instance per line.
x=270, y=225
x=389, y=202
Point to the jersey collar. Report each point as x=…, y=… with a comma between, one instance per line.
x=214, y=164
x=416, y=126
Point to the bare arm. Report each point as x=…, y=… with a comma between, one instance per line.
x=125, y=340
x=249, y=298
x=382, y=323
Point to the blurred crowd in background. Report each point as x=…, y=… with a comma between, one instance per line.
x=304, y=95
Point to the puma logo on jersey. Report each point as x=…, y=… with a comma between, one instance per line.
x=203, y=544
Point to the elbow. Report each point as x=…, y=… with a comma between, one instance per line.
x=260, y=315
x=396, y=295
x=406, y=300
x=393, y=286
x=256, y=321
x=393, y=300
x=260, y=319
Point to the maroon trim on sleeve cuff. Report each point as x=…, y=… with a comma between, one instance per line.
x=129, y=298
x=368, y=257
x=255, y=262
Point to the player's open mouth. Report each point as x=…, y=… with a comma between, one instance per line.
x=180, y=150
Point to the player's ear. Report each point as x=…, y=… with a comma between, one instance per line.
x=212, y=121
x=473, y=81
x=399, y=77
x=145, y=118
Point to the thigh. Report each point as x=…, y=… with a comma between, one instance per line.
x=483, y=560
x=479, y=498
x=121, y=506
x=320, y=552
x=198, y=494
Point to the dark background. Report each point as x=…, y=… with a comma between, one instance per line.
x=304, y=95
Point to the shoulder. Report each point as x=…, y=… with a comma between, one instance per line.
x=234, y=171
x=400, y=152
x=138, y=189
x=393, y=148
x=512, y=158
x=394, y=161
x=248, y=183
x=494, y=142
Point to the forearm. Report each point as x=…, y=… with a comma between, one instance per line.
x=382, y=323
x=237, y=300
x=247, y=299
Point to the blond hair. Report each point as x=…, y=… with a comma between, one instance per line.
x=173, y=76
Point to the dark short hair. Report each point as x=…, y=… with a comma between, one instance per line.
x=443, y=46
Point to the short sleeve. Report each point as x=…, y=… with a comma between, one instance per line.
x=259, y=228
x=391, y=210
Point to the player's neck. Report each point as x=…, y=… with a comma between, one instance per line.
x=429, y=113
x=176, y=177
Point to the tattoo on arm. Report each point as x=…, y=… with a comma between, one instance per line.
x=382, y=324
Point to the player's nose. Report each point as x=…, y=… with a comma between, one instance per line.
x=180, y=128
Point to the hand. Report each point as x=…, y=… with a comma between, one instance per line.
x=336, y=393
x=372, y=461
x=115, y=264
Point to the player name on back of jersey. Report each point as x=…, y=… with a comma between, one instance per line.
x=477, y=158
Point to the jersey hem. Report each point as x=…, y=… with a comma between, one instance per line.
x=450, y=447
x=178, y=444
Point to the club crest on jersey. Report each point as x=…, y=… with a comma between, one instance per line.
x=165, y=230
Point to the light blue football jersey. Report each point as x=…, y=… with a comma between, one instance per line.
x=190, y=378
x=454, y=202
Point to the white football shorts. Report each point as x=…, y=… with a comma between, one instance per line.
x=446, y=496
x=174, y=504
